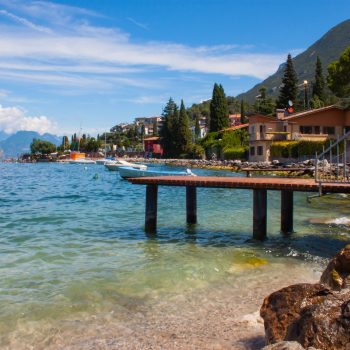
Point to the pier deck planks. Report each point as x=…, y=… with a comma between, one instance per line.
x=268, y=183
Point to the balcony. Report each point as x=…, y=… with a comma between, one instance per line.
x=296, y=136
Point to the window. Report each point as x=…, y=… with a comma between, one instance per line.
x=284, y=128
x=317, y=130
x=330, y=130
x=261, y=129
x=252, y=129
x=260, y=150
x=252, y=151
x=305, y=129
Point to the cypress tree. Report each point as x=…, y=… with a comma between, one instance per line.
x=197, y=128
x=167, y=131
x=218, y=109
x=184, y=132
x=289, y=87
x=319, y=84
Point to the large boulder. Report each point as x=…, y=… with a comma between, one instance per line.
x=286, y=345
x=337, y=274
x=315, y=315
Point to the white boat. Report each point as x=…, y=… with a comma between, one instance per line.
x=103, y=161
x=82, y=161
x=127, y=172
x=114, y=165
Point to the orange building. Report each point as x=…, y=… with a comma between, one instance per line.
x=312, y=125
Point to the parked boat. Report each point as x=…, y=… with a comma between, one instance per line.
x=103, y=161
x=82, y=161
x=127, y=172
x=114, y=165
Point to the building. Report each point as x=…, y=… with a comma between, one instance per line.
x=235, y=119
x=312, y=125
x=148, y=123
x=121, y=128
x=152, y=147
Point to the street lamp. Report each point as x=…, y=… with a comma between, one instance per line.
x=306, y=97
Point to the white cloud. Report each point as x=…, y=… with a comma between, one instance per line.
x=138, y=24
x=55, y=45
x=25, y=22
x=110, y=51
x=13, y=119
x=65, y=42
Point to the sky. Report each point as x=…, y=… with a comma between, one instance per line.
x=84, y=66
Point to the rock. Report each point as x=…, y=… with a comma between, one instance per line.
x=315, y=315
x=337, y=274
x=325, y=326
x=282, y=308
x=284, y=345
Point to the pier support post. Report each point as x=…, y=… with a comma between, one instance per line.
x=151, y=208
x=259, y=213
x=191, y=204
x=286, y=211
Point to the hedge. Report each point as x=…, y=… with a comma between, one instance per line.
x=296, y=149
x=235, y=153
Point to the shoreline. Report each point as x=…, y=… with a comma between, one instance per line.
x=300, y=169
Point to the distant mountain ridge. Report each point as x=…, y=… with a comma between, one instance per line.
x=19, y=142
x=3, y=135
x=329, y=47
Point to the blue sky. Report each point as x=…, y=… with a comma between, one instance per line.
x=96, y=63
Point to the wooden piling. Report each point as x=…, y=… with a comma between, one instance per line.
x=151, y=208
x=191, y=204
x=259, y=213
x=286, y=211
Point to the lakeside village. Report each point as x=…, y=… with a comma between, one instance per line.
x=303, y=120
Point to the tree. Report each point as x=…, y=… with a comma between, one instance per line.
x=289, y=88
x=167, y=139
x=264, y=105
x=42, y=147
x=319, y=84
x=218, y=109
x=197, y=128
x=65, y=143
x=184, y=135
x=339, y=75
x=92, y=145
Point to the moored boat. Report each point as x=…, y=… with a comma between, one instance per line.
x=103, y=161
x=114, y=165
x=128, y=172
x=82, y=161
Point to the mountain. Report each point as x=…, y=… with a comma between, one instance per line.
x=3, y=135
x=19, y=142
x=329, y=48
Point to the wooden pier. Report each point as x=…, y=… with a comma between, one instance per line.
x=260, y=186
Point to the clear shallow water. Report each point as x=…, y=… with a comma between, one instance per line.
x=73, y=249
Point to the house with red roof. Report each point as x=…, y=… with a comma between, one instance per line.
x=311, y=125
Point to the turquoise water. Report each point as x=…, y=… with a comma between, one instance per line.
x=73, y=249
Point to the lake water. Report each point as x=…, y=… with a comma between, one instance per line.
x=78, y=272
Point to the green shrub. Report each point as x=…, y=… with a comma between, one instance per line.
x=235, y=153
x=196, y=152
x=220, y=142
x=296, y=149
